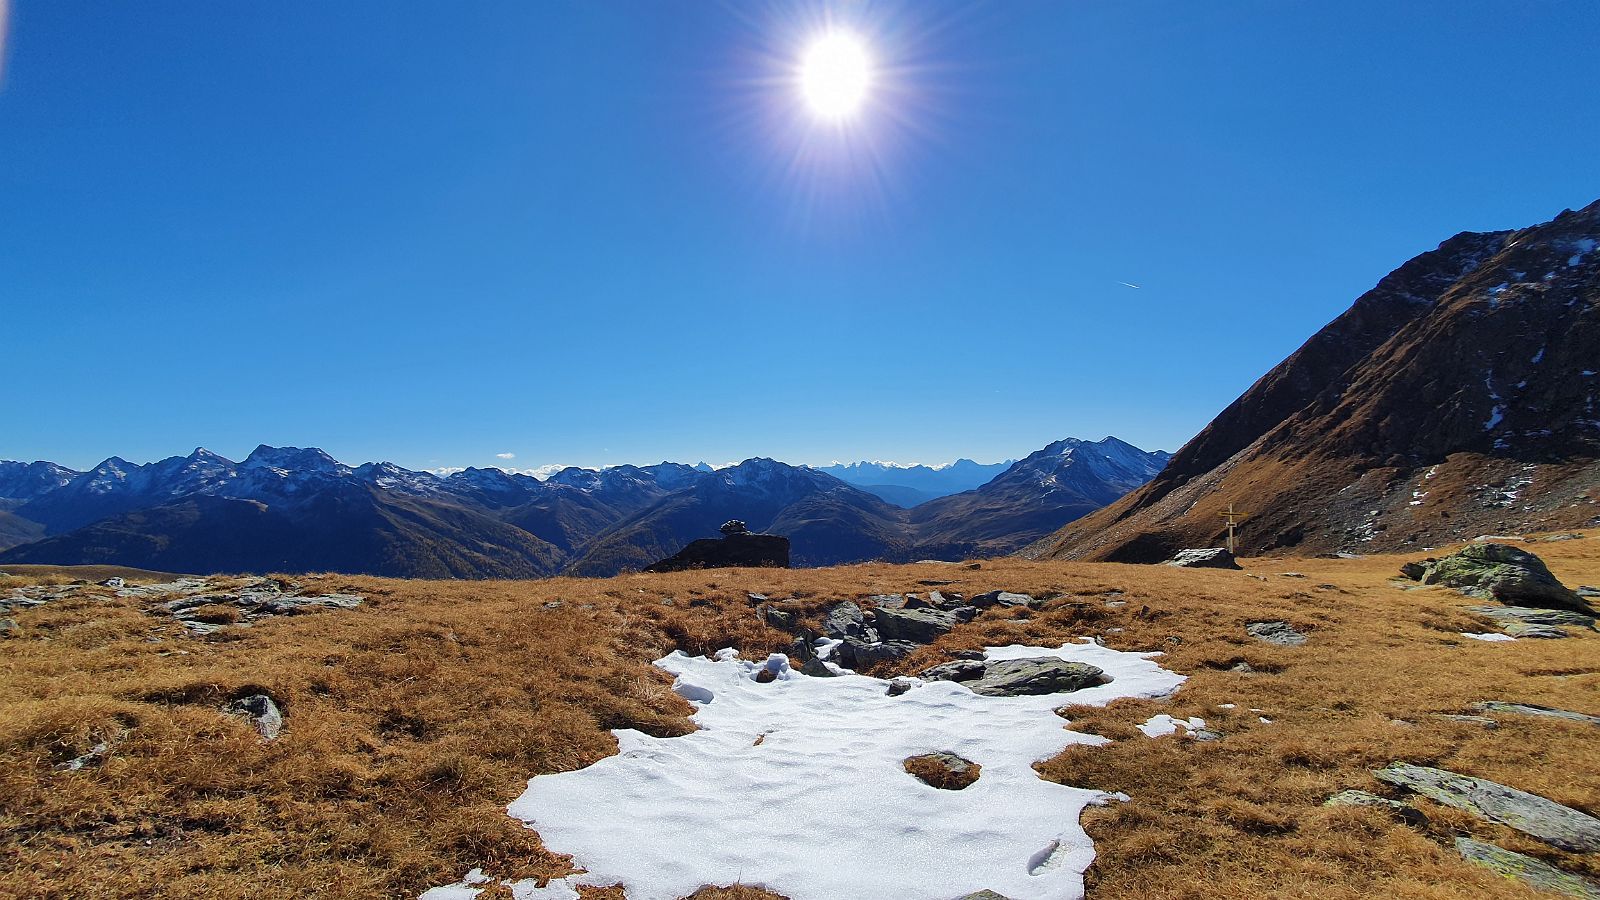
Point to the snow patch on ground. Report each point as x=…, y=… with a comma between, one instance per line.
x=1161, y=725
x=1492, y=636
x=821, y=807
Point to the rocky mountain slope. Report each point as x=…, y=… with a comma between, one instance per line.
x=294, y=509
x=1456, y=398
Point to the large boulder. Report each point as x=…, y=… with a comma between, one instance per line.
x=1004, y=599
x=1510, y=575
x=1204, y=558
x=1019, y=677
x=738, y=549
x=920, y=626
x=1533, y=815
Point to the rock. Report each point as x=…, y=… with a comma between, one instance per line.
x=1402, y=811
x=1003, y=598
x=899, y=685
x=1585, y=590
x=740, y=548
x=817, y=668
x=965, y=614
x=1483, y=721
x=921, y=626
x=846, y=620
x=1529, y=709
x=967, y=654
x=939, y=600
x=113, y=582
x=1020, y=677
x=888, y=601
x=984, y=894
x=1243, y=668
x=1291, y=575
x=934, y=582
x=1415, y=570
x=1533, y=815
x=855, y=653
x=1275, y=632
x=91, y=758
x=960, y=670
x=733, y=527
x=755, y=599
x=778, y=618
x=9, y=628
x=1534, y=873
x=1205, y=558
x=765, y=676
x=1564, y=537
x=1511, y=575
x=1536, y=616
x=945, y=771
x=261, y=711
x=1531, y=630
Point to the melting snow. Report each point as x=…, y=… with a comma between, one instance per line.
x=1493, y=636
x=1161, y=725
x=821, y=807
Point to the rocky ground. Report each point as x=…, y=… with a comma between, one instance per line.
x=1344, y=730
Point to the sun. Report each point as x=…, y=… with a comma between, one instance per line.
x=835, y=75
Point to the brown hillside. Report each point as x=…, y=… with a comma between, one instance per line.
x=1457, y=397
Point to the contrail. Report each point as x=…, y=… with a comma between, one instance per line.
x=1129, y=284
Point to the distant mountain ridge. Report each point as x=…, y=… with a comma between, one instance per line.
x=299, y=509
x=910, y=485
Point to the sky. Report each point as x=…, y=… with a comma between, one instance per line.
x=600, y=232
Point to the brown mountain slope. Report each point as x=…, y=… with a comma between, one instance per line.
x=1455, y=398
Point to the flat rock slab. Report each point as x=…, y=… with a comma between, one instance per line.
x=1019, y=677
x=1534, y=873
x=1533, y=815
x=1531, y=630
x=1004, y=598
x=1534, y=616
x=1530, y=709
x=920, y=626
x=1275, y=632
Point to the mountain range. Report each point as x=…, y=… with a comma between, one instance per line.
x=290, y=509
x=1458, y=397
x=911, y=485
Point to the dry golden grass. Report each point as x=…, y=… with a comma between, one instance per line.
x=413, y=720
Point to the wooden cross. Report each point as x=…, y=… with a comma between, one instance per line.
x=1233, y=518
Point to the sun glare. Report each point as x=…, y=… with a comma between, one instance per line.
x=835, y=75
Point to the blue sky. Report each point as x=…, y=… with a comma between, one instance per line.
x=603, y=232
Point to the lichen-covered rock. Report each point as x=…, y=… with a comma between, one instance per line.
x=1534, y=873
x=1533, y=815
x=959, y=670
x=1530, y=709
x=1508, y=574
x=855, y=653
x=1532, y=630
